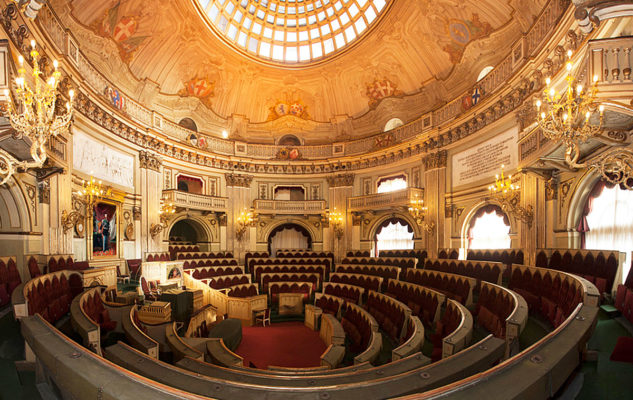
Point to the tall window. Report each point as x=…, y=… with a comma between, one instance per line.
x=609, y=221
x=391, y=184
x=489, y=229
x=394, y=235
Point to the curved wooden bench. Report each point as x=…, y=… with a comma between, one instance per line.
x=178, y=346
x=357, y=385
x=88, y=329
x=538, y=372
x=516, y=321
x=81, y=374
x=372, y=351
x=331, y=331
x=413, y=344
x=221, y=355
x=460, y=337
x=291, y=370
x=136, y=337
x=332, y=356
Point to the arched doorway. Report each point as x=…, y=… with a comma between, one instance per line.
x=606, y=222
x=188, y=231
x=393, y=234
x=489, y=228
x=289, y=236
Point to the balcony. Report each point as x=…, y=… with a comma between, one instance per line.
x=384, y=201
x=609, y=61
x=289, y=207
x=193, y=201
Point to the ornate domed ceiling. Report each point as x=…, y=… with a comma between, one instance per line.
x=293, y=32
x=192, y=58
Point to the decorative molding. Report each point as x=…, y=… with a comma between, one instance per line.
x=340, y=180
x=551, y=189
x=136, y=213
x=44, y=191
x=238, y=180
x=435, y=160
x=589, y=14
x=149, y=160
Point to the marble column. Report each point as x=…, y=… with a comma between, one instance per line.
x=151, y=192
x=434, y=200
x=340, y=189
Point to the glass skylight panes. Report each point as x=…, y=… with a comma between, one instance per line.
x=292, y=31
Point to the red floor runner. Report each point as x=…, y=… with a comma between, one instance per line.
x=284, y=344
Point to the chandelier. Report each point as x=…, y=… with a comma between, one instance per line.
x=565, y=116
x=91, y=191
x=34, y=114
x=163, y=214
x=244, y=220
x=509, y=195
x=418, y=212
x=335, y=219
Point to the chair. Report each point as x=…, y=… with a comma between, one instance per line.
x=120, y=277
x=263, y=316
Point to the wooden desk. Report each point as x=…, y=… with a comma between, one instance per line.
x=290, y=303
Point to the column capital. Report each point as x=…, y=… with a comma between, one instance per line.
x=149, y=160
x=238, y=180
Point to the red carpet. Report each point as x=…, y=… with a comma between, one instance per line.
x=623, y=350
x=284, y=344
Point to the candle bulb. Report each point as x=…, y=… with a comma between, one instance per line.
x=21, y=60
x=55, y=64
x=33, y=44
x=601, y=108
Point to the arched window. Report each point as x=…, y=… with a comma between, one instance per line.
x=391, y=184
x=607, y=221
x=484, y=72
x=394, y=234
x=489, y=229
x=393, y=123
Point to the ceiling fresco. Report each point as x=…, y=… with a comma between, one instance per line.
x=418, y=55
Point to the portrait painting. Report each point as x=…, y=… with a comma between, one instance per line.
x=104, y=230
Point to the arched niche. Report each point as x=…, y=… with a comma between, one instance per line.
x=263, y=232
x=577, y=202
x=14, y=208
x=299, y=228
x=369, y=233
x=467, y=219
x=198, y=229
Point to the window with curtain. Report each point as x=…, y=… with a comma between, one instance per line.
x=391, y=184
x=607, y=222
x=396, y=235
x=489, y=229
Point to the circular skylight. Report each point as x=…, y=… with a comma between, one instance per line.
x=292, y=31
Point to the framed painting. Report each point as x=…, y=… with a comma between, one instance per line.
x=105, y=223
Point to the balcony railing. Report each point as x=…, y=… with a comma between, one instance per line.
x=195, y=201
x=610, y=60
x=387, y=200
x=289, y=207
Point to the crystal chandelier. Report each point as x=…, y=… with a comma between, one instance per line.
x=565, y=116
x=418, y=212
x=508, y=195
x=34, y=115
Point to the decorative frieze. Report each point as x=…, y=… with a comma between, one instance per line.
x=238, y=180
x=340, y=180
x=435, y=160
x=149, y=160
